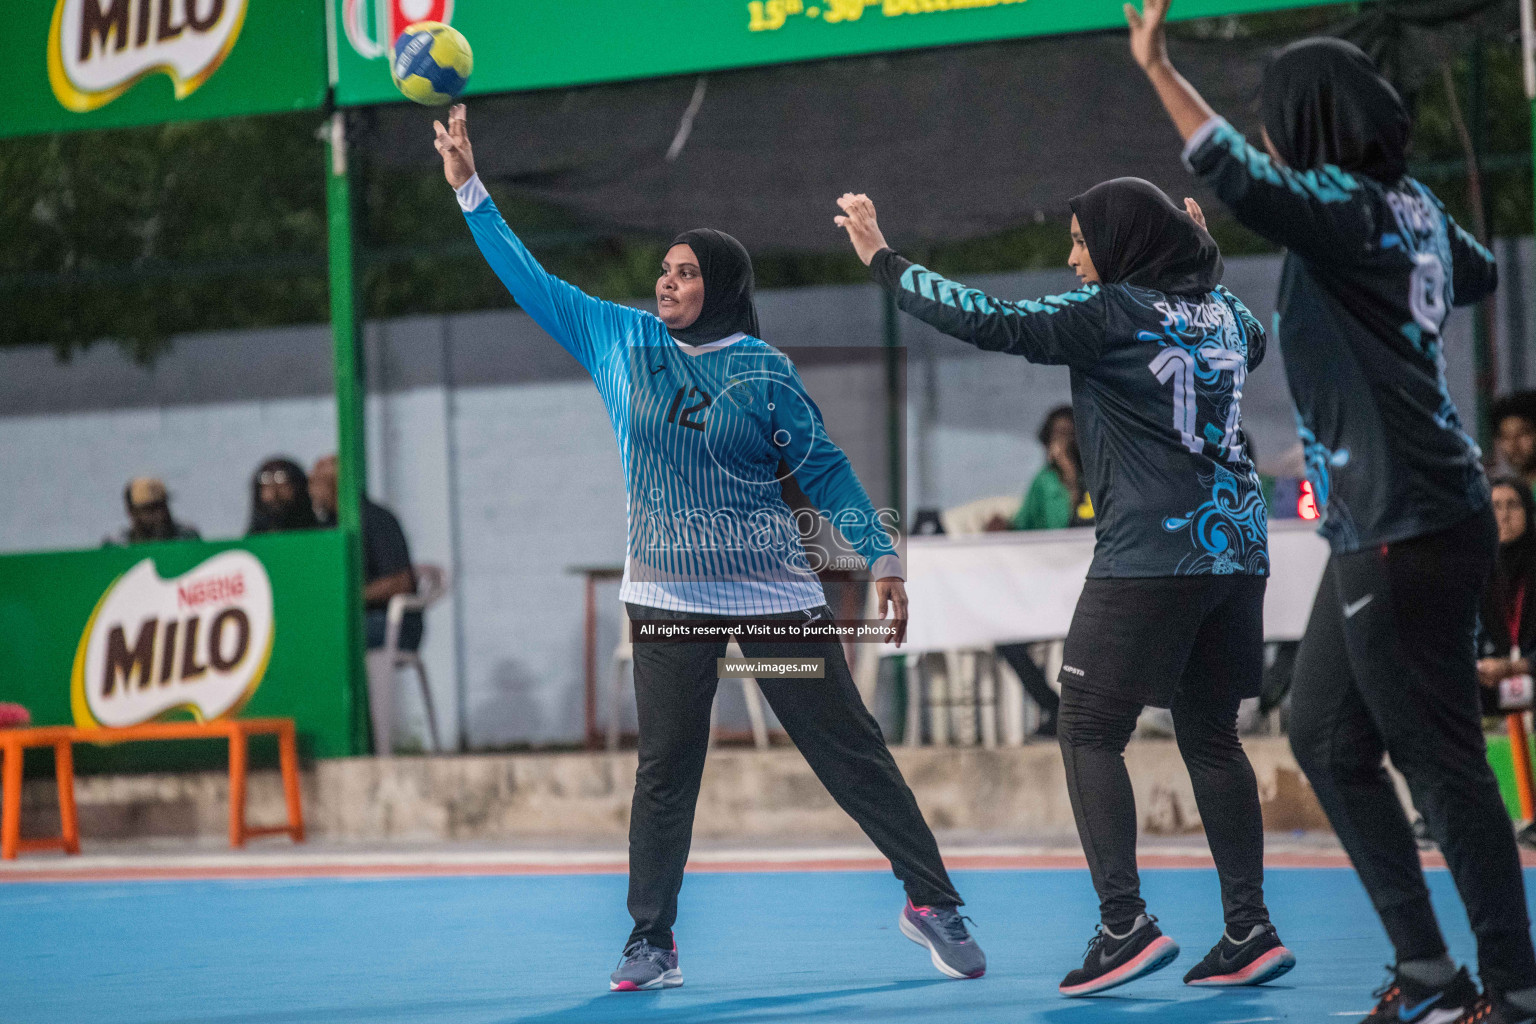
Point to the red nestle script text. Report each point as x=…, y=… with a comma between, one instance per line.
x=217, y=588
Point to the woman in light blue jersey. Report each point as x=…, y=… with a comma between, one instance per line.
x=710, y=421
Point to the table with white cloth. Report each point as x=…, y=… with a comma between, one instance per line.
x=968, y=594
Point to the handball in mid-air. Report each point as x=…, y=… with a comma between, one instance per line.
x=431, y=63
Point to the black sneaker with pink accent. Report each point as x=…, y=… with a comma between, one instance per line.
x=1114, y=960
x=1260, y=957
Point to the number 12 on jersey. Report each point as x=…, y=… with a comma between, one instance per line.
x=687, y=419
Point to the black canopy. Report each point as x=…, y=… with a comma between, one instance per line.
x=953, y=143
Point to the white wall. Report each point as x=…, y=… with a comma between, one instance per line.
x=495, y=451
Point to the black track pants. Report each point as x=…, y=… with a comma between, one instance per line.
x=674, y=689
x=1388, y=666
x=1094, y=731
x=1194, y=645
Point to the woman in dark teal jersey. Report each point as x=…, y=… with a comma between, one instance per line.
x=1172, y=612
x=1387, y=666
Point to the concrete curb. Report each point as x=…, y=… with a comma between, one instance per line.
x=584, y=798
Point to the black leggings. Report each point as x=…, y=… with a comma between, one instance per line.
x=1094, y=730
x=674, y=689
x=1387, y=667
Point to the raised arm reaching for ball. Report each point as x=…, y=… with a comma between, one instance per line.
x=748, y=562
x=1149, y=46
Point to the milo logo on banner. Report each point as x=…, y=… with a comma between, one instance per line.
x=198, y=642
x=372, y=26
x=97, y=49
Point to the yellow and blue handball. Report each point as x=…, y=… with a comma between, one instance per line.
x=431, y=62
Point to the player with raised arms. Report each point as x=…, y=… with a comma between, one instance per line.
x=1373, y=265
x=1172, y=611
x=710, y=422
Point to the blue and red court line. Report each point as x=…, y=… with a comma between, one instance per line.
x=297, y=864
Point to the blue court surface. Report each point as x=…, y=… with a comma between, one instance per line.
x=771, y=946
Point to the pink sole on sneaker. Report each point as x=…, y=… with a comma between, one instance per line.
x=1266, y=968
x=915, y=933
x=1162, y=952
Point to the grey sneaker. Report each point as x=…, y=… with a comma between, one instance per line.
x=644, y=967
x=942, y=930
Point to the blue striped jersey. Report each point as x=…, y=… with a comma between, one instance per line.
x=707, y=434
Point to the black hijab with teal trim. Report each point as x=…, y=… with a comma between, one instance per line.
x=727, y=271
x=1136, y=235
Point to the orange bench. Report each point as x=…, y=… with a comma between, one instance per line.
x=14, y=742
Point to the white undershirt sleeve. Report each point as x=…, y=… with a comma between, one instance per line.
x=471, y=194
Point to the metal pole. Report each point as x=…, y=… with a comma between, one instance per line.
x=896, y=466
x=1485, y=346
x=1528, y=51
x=352, y=466
x=894, y=398
x=456, y=539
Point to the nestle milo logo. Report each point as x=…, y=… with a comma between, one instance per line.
x=199, y=642
x=97, y=49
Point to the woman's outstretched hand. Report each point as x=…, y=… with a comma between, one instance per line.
x=1195, y=213
x=1149, y=45
x=1149, y=34
x=453, y=143
x=858, y=219
x=891, y=594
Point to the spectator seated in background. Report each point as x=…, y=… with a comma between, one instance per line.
x=1513, y=419
x=387, y=569
x=280, y=498
x=1508, y=619
x=149, y=515
x=1056, y=498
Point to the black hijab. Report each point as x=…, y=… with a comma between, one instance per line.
x=727, y=271
x=1324, y=102
x=1137, y=236
x=1514, y=567
x=297, y=514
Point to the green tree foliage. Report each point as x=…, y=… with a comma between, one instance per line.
x=136, y=235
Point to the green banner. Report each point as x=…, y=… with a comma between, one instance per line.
x=182, y=631
x=80, y=64
x=527, y=45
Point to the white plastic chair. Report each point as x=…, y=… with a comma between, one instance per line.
x=959, y=689
x=972, y=517
x=431, y=587
x=624, y=658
